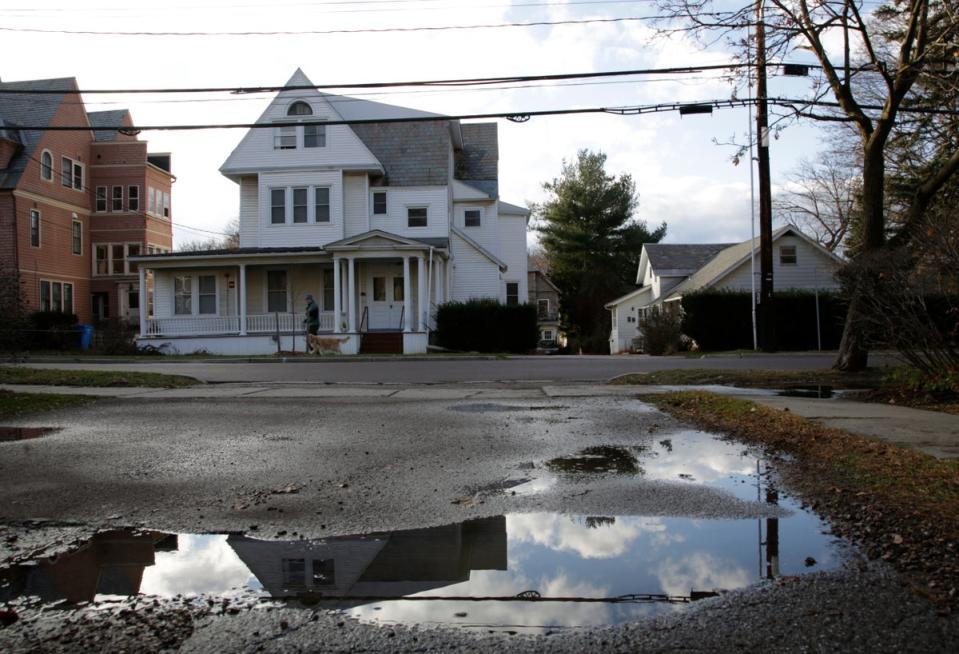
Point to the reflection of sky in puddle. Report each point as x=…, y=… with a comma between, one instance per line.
x=558, y=556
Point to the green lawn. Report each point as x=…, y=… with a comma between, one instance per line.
x=103, y=378
x=13, y=405
x=870, y=378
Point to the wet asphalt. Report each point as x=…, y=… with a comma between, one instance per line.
x=270, y=467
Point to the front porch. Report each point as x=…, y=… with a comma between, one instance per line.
x=253, y=302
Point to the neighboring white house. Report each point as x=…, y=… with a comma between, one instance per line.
x=379, y=221
x=669, y=270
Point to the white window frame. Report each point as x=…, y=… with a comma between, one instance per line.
x=538, y=302
x=76, y=234
x=281, y=135
x=151, y=201
x=187, y=294
x=216, y=296
x=329, y=205
x=321, y=135
x=794, y=255
x=266, y=289
x=386, y=202
x=479, y=211
x=305, y=205
x=414, y=207
x=101, y=197
x=547, y=335
x=36, y=217
x=128, y=268
x=114, y=207
x=286, y=205
x=166, y=204
x=68, y=173
x=62, y=294
x=46, y=171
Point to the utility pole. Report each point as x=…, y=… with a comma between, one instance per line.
x=766, y=314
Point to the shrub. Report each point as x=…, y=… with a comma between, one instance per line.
x=485, y=325
x=53, y=330
x=661, y=331
x=115, y=337
x=722, y=320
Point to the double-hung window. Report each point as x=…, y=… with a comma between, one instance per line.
x=151, y=200
x=102, y=260
x=206, y=294
x=284, y=137
x=300, y=196
x=116, y=202
x=77, y=237
x=34, y=228
x=133, y=198
x=542, y=307
x=321, y=204
x=416, y=216
x=71, y=173
x=512, y=293
x=56, y=296
x=166, y=204
x=379, y=203
x=472, y=217
x=101, y=200
x=314, y=136
x=183, y=295
x=118, y=259
x=277, y=206
x=276, y=291
x=787, y=255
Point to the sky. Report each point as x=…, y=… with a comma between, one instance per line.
x=683, y=173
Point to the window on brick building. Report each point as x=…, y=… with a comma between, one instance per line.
x=101, y=200
x=133, y=198
x=77, y=234
x=46, y=166
x=116, y=203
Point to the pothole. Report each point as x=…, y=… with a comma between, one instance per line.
x=24, y=433
x=488, y=407
x=599, y=459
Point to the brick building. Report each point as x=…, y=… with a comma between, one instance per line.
x=75, y=205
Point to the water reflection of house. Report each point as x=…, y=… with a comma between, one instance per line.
x=111, y=563
x=382, y=565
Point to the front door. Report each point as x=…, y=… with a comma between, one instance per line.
x=386, y=305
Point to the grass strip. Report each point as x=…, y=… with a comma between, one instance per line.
x=751, y=378
x=13, y=405
x=898, y=504
x=98, y=378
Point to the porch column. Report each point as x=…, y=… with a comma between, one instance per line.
x=422, y=306
x=407, y=307
x=241, y=292
x=351, y=269
x=337, y=293
x=438, y=281
x=143, y=299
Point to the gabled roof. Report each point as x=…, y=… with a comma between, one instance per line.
x=511, y=209
x=628, y=296
x=687, y=257
x=412, y=154
x=732, y=257
x=29, y=109
x=99, y=119
x=387, y=239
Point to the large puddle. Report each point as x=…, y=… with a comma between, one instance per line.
x=522, y=571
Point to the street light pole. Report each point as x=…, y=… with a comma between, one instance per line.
x=766, y=314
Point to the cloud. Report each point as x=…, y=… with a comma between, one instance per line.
x=201, y=564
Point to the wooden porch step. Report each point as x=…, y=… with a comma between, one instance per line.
x=381, y=343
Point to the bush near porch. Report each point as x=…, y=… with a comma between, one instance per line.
x=486, y=326
x=722, y=320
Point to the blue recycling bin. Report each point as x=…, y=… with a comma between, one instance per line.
x=86, y=336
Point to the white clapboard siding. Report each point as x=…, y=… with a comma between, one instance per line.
x=163, y=293
x=249, y=212
x=301, y=234
x=487, y=233
x=473, y=275
x=257, y=152
x=355, y=211
x=812, y=269
x=399, y=198
x=512, y=250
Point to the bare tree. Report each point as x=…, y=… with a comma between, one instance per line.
x=229, y=241
x=822, y=197
x=906, y=41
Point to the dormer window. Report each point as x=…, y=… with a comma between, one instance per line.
x=284, y=137
x=299, y=108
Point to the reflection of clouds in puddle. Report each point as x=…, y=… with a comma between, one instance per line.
x=696, y=453
x=700, y=571
x=201, y=564
x=568, y=534
x=499, y=584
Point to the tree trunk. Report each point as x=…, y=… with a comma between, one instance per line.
x=853, y=354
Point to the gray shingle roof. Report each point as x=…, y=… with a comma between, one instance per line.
x=106, y=118
x=24, y=109
x=682, y=256
x=413, y=154
x=479, y=161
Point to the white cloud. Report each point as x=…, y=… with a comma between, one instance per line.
x=201, y=564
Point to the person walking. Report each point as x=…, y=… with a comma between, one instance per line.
x=312, y=320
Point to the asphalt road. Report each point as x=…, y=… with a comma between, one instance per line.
x=518, y=369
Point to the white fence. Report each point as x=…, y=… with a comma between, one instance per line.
x=267, y=323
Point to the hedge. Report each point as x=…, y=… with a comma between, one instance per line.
x=486, y=326
x=722, y=320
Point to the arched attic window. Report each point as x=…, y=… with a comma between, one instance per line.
x=46, y=165
x=299, y=108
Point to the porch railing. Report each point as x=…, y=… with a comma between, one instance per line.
x=211, y=325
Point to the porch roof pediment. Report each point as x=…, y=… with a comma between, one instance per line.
x=377, y=239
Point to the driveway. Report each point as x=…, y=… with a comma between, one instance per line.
x=457, y=370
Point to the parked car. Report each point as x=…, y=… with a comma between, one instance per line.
x=547, y=347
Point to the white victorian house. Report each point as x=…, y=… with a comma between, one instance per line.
x=379, y=221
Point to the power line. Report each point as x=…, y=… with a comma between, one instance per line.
x=513, y=116
x=364, y=30
x=462, y=81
